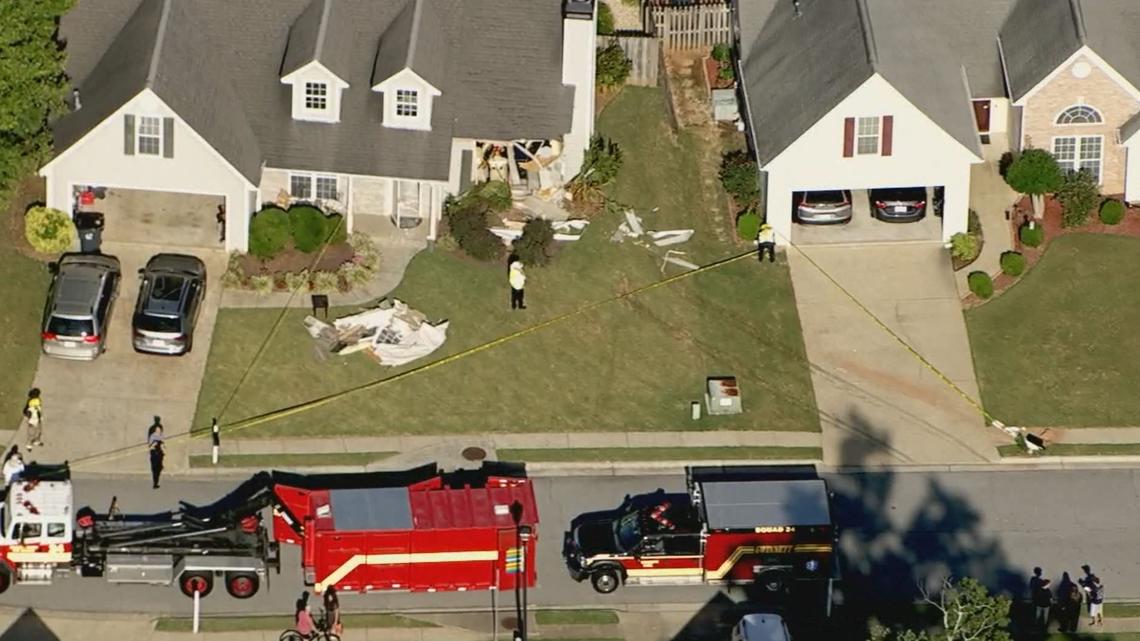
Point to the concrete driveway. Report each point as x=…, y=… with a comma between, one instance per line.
x=878, y=403
x=108, y=404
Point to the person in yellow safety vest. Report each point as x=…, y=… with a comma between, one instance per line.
x=517, y=280
x=766, y=240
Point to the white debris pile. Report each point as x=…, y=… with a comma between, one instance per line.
x=564, y=230
x=392, y=333
x=633, y=227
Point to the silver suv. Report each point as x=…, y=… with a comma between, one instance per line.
x=170, y=297
x=78, y=311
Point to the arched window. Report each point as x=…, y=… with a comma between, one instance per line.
x=1079, y=115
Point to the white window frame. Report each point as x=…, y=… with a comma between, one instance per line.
x=877, y=137
x=140, y=136
x=407, y=99
x=1079, y=162
x=1061, y=114
x=314, y=194
x=324, y=98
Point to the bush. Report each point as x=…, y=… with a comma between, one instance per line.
x=355, y=274
x=748, y=225
x=1078, y=195
x=1012, y=263
x=336, y=229
x=234, y=276
x=600, y=166
x=324, y=282
x=739, y=175
x=964, y=247
x=49, y=231
x=536, y=245
x=1112, y=212
x=495, y=193
x=297, y=281
x=722, y=53
x=981, y=284
x=726, y=73
x=261, y=284
x=309, y=228
x=1031, y=237
x=611, y=67
x=268, y=233
x=1004, y=162
x=367, y=255
x=467, y=223
x=605, y=19
x=1035, y=171
x=973, y=223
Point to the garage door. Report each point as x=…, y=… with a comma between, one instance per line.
x=158, y=217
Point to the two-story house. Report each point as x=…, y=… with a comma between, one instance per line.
x=866, y=94
x=378, y=109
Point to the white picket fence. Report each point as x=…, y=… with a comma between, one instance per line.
x=692, y=26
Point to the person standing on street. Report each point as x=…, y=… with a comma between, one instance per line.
x=1042, y=602
x=517, y=280
x=154, y=432
x=1068, y=604
x=766, y=241
x=1095, y=591
x=34, y=415
x=332, y=611
x=157, y=454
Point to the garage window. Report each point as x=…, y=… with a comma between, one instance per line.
x=1076, y=153
x=867, y=140
x=149, y=135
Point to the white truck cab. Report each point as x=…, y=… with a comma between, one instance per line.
x=35, y=538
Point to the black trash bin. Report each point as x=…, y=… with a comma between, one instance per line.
x=89, y=224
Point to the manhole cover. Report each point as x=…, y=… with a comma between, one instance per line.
x=474, y=454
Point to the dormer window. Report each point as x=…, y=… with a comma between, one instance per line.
x=407, y=103
x=316, y=96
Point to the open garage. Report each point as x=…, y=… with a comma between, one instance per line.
x=156, y=217
x=863, y=227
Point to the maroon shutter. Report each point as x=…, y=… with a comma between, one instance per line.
x=888, y=134
x=848, y=137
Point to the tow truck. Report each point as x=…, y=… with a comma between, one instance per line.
x=734, y=525
x=419, y=529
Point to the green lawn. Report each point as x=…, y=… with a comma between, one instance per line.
x=629, y=365
x=286, y=461
x=23, y=286
x=282, y=622
x=1076, y=449
x=578, y=454
x=576, y=617
x=1060, y=348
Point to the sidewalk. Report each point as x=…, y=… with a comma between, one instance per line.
x=990, y=197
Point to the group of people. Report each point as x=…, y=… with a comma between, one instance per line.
x=1064, y=603
x=13, y=465
x=303, y=620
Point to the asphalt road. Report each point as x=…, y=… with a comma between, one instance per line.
x=896, y=528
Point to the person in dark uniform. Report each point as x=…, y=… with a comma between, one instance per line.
x=157, y=454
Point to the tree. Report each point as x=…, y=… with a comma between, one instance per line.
x=740, y=177
x=1035, y=173
x=612, y=67
x=968, y=613
x=32, y=82
x=605, y=20
x=1078, y=195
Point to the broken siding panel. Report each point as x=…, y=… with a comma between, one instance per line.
x=371, y=195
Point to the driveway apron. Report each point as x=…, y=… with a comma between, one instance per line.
x=104, y=405
x=878, y=403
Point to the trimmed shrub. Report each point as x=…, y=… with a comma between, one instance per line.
x=748, y=225
x=605, y=19
x=268, y=233
x=739, y=175
x=354, y=274
x=973, y=223
x=601, y=164
x=324, y=282
x=234, y=276
x=309, y=228
x=1112, y=212
x=261, y=284
x=536, y=245
x=611, y=67
x=467, y=224
x=1031, y=237
x=1035, y=171
x=981, y=284
x=495, y=193
x=722, y=52
x=1012, y=263
x=49, y=231
x=1004, y=163
x=297, y=281
x=336, y=229
x=964, y=247
x=1078, y=195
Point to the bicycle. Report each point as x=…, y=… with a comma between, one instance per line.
x=321, y=632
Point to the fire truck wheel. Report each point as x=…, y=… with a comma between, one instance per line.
x=605, y=580
x=5, y=579
x=241, y=585
x=191, y=582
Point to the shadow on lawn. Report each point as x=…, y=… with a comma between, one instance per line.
x=884, y=555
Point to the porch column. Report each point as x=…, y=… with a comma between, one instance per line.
x=349, y=213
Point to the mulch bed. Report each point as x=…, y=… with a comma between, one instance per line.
x=292, y=260
x=25, y=193
x=1022, y=213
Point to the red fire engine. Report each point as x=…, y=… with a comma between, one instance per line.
x=735, y=525
x=414, y=530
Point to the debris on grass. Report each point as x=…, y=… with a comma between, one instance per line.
x=392, y=333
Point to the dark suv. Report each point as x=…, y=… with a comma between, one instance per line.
x=78, y=310
x=170, y=297
x=899, y=204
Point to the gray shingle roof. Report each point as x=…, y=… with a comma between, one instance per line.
x=797, y=68
x=418, y=39
x=322, y=33
x=1042, y=34
x=502, y=78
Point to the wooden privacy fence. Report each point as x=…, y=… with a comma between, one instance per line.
x=691, y=26
x=644, y=52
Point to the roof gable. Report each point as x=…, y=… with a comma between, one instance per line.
x=322, y=34
x=415, y=40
